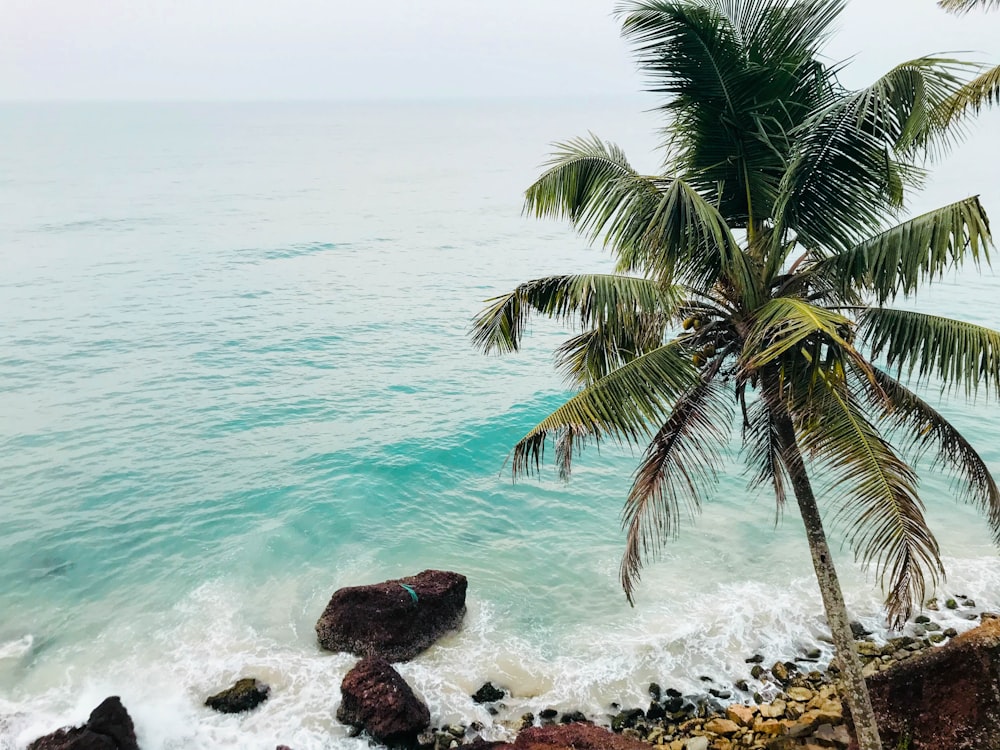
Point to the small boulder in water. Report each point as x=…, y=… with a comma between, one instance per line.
x=245, y=695
x=108, y=728
x=376, y=698
x=394, y=620
x=488, y=693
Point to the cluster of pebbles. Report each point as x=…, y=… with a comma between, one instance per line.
x=801, y=708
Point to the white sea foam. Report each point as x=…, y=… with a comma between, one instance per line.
x=212, y=638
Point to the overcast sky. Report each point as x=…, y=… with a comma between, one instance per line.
x=349, y=49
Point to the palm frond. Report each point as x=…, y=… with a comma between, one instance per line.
x=897, y=260
x=621, y=406
x=957, y=353
x=925, y=429
x=784, y=324
x=876, y=491
x=964, y=6
x=763, y=452
x=736, y=77
x=587, y=300
x=679, y=464
x=850, y=170
x=592, y=184
x=594, y=353
x=981, y=91
x=688, y=240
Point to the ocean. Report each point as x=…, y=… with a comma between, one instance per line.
x=235, y=375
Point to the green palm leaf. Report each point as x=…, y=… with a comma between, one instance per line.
x=657, y=227
x=877, y=494
x=678, y=465
x=591, y=355
x=953, y=351
x=587, y=300
x=687, y=239
x=763, y=452
x=981, y=91
x=591, y=183
x=619, y=406
x=783, y=324
x=898, y=259
x=912, y=417
x=730, y=115
x=847, y=173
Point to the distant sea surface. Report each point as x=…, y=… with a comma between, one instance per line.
x=235, y=375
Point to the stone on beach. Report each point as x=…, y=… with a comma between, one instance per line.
x=108, y=728
x=488, y=693
x=244, y=695
x=374, y=697
x=567, y=737
x=395, y=619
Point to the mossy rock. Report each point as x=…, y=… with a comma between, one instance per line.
x=245, y=695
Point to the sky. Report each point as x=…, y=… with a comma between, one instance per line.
x=387, y=49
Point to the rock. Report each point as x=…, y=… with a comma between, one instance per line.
x=696, y=743
x=813, y=653
x=673, y=705
x=859, y=630
x=527, y=720
x=724, y=727
x=626, y=719
x=655, y=712
x=572, y=717
x=800, y=694
x=837, y=736
x=109, y=727
x=655, y=691
x=969, y=603
x=568, y=737
x=773, y=710
x=488, y=693
x=936, y=637
x=377, y=699
x=755, y=659
x=757, y=671
x=780, y=672
x=395, y=619
x=951, y=604
x=245, y=695
x=742, y=715
x=946, y=698
x=547, y=714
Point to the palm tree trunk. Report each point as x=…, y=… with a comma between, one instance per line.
x=853, y=688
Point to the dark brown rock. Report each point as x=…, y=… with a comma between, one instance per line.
x=395, y=619
x=374, y=697
x=244, y=695
x=488, y=693
x=108, y=728
x=945, y=698
x=567, y=737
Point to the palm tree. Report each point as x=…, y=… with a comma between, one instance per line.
x=752, y=280
x=984, y=89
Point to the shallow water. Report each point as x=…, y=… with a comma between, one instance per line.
x=235, y=376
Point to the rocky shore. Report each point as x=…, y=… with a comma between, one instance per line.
x=932, y=689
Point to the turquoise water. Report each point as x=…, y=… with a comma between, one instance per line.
x=235, y=376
